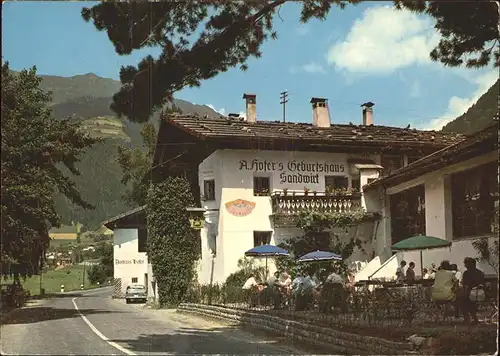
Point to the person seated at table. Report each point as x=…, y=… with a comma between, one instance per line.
x=426, y=274
x=297, y=282
x=332, y=293
x=432, y=271
x=400, y=272
x=410, y=273
x=458, y=274
x=444, y=283
x=250, y=283
x=273, y=293
x=284, y=285
x=334, y=278
x=472, y=290
x=314, y=284
x=351, y=281
x=302, y=288
x=252, y=288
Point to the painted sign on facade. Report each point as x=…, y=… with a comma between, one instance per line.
x=293, y=171
x=197, y=223
x=128, y=262
x=240, y=207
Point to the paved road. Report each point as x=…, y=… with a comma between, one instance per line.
x=93, y=323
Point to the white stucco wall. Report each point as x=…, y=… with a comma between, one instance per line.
x=234, y=180
x=128, y=261
x=438, y=220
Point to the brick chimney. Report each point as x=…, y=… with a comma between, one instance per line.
x=367, y=113
x=251, y=103
x=321, y=115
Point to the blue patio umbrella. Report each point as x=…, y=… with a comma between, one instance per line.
x=319, y=256
x=267, y=251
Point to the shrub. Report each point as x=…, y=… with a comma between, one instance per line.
x=96, y=274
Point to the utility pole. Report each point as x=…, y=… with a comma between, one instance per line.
x=283, y=101
x=498, y=116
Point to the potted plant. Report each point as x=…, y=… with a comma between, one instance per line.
x=285, y=191
x=315, y=193
x=328, y=190
x=306, y=191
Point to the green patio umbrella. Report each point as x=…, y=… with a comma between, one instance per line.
x=420, y=242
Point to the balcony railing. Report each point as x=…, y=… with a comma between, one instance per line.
x=329, y=203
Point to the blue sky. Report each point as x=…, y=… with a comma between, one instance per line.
x=363, y=53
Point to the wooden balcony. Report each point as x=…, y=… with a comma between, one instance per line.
x=287, y=207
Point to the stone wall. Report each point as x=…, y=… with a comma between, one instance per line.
x=333, y=340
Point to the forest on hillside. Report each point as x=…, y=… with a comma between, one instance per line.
x=480, y=115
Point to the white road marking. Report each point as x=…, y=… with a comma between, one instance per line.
x=101, y=335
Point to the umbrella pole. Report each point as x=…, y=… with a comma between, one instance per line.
x=421, y=265
x=266, y=268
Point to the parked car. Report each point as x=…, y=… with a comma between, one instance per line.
x=136, y=293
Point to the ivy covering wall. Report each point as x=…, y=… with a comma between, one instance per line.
x=323, y=231
x=173, y=247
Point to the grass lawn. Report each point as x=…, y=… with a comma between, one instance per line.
x=71, y=277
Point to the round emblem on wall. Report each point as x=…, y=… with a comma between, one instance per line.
x=240, y=207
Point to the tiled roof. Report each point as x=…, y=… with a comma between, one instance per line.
x=116, y=220
x=235, y=128
x=484, y=140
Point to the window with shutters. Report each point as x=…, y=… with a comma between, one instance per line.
x=261, y=186
x=474, y=195
x=391, y=163
x=356, y=183
x=209, y=190
x=336, y=182
x=261, y=238
x=142, y=235
x=407, y=213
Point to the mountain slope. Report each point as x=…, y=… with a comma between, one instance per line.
x=87, y=98
x=480, y=115
x=64, y=89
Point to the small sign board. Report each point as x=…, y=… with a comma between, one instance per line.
x=197, y=223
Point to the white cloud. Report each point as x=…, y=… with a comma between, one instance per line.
x=311, y=67
x=221, y=111
x=384, y=40
x=302, y=30
x=458, y=106
x=415, y=89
